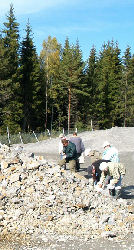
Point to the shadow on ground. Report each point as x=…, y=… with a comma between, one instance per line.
x=128, y=192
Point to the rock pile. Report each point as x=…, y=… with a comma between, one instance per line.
x=37, y=197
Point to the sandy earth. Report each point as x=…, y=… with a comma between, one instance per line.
x=123, y=140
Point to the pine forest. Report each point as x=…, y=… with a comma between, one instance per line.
x=58, y=89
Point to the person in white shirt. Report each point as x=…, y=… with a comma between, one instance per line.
x=110, y=152
x=61, y=136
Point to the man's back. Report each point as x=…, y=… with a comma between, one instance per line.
x=79, y=144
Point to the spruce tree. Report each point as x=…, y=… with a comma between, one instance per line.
x=91, y=81
x=130, y=94
x=128, y=90
x=30, y=83
x=10, y=40
x=109, y=81
x=4, y=88
x=79, y=88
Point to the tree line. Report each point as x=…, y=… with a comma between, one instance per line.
x=58, y=89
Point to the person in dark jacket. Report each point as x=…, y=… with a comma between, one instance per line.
x=70, y=155
x=79, y=147
x=95, y=170
x=96, y=160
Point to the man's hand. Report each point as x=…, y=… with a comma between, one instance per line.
x=99, y=185
x=64, y=156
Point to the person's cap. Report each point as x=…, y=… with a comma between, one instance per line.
x=61, y=136
x=64, y=138
x=103, y=166
x=106, y=143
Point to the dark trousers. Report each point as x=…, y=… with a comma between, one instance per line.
x=77, y=162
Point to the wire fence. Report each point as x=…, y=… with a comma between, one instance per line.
x=33, y=136
x=25, y=138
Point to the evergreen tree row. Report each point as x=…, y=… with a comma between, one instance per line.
x=58, y=89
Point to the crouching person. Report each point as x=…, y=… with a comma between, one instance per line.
x=70, y=155
x=115, y=172
x=96, y=172
x=96, y=160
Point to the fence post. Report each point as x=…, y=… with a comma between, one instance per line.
x=8, y=135
x=35, y=137
x=49, y=133
x=20, y=137
x=91, y=125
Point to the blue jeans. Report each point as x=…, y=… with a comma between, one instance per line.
x=118, y=184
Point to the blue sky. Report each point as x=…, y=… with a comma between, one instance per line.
x=92, y=22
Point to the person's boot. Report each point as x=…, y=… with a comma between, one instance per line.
x=77, y=165
x=112, y=192
x=64, y=166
